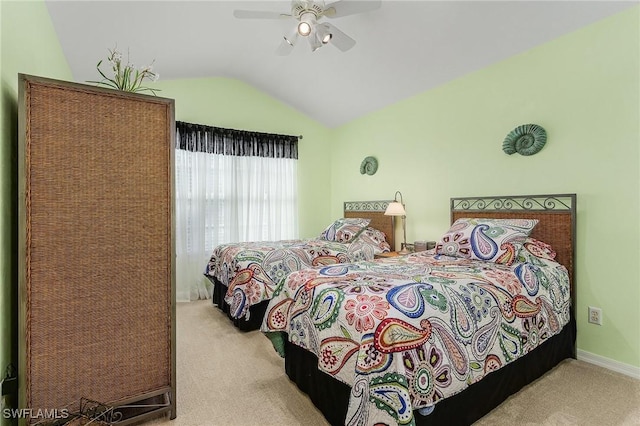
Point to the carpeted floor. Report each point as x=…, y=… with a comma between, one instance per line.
x=227, y=377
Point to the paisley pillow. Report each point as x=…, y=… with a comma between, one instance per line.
x=532, y=250
x=345, y=230
x=376, y=238
x=491, y=240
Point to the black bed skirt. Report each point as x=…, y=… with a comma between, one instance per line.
x=332, y=397
x=256, y=312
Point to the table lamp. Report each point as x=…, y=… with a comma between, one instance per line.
x=396, y=208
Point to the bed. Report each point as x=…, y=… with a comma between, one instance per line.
x=244, y=274
x=437, y=337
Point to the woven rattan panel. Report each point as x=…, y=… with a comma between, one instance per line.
x=97, y=290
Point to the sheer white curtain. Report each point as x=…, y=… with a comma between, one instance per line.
x=228, y=198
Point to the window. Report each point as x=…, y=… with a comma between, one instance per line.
x=231, y=186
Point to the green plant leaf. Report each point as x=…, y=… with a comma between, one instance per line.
x=125, y=77
x=104, y=84
x=106, y=78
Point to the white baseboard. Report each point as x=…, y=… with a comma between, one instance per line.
x=610, y=364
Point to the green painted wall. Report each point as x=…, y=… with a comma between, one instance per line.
x=584, y=89
x=28, y=45
x=230, y=103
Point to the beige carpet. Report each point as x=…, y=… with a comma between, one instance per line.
x=227, y=377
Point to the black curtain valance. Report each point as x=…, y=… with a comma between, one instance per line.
x=216, y=140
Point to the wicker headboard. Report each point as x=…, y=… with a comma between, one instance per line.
x=373, y=210
x=556, y=214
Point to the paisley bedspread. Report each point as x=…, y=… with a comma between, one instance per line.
x=406, y=332
x=251, y=270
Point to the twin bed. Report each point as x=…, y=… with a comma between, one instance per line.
x=437, y=337
x=244, y=275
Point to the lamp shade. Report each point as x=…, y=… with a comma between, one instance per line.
x=395, y=209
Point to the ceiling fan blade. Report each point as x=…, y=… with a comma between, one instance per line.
x=259, y=14
x=287, y=44
x=349, y=7
x=339, y=39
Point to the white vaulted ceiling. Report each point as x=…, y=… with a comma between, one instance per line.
x=403, y=48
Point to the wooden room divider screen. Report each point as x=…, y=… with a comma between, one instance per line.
x=96, y=272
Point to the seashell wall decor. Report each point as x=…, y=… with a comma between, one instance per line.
x=527, y=139
x=369, y=166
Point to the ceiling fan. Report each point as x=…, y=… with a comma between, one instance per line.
x=308, y=13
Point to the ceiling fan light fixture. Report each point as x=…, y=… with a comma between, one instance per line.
x=304, y=28
x=323, y=33
x=307, y=23
x=308, y=13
